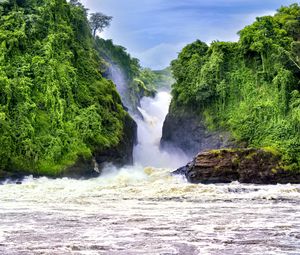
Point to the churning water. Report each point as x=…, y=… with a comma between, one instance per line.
x=144, y=210
x=147, y=152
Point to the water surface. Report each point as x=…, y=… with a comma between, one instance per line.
x=136, y=211
x=144, y=210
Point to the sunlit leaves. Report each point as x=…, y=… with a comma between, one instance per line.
x=54, y=104
x=251, y=87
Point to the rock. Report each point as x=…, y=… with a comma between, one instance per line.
x=83, y=168
x=16, y=176
x=257, y=166
x=187, y=131
x=120, y=155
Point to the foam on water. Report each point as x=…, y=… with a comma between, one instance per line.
x=147, y=211
x=148, y=152
x=144, y=210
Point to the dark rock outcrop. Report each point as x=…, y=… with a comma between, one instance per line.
x=120, y=155
x=11, y=176
x=187, y=131
x=256, y=166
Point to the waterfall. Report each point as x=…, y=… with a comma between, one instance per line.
x=150, y=122
x=148, y=152
x=116, y=74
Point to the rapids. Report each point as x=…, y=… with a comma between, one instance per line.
x=142, y=209
x=146, y=211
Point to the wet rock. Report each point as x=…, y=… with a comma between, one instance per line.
x=13, y=176
x=120, y=155
x=256, y=166
x=187, y=131
x=83, y=168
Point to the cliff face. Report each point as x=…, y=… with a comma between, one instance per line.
x=187, y=131
x=256, y=166
x=57, y=112
x=120, y=155
x=250, y=87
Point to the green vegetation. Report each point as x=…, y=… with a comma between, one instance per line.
x=54, y=103
x=250, y=87
x=99, y=21
x=163, y=78
x=141, y=81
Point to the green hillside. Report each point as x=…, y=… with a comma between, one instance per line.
x=54, y=104
x=250, y=87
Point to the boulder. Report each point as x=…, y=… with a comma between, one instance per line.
x=257, y=166
x=16, y=176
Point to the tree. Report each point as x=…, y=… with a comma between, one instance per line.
x=99, y=21
x=75, y=2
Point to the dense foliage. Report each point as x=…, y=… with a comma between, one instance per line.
x=54, y=104
x=250, y=87
x=141, y=81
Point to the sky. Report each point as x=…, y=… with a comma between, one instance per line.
x=155, y=31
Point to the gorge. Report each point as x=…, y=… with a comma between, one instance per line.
x=90, y=141
x=142, y=209
x=138, y=209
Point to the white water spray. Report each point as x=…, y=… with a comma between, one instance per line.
x=118, y=77
x=154, y=111
x=147, y=152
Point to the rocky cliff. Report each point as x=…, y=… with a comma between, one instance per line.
x=187, y=131
x=119, y=155
x=256, y=166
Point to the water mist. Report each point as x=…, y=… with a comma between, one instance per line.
x=147, y=152
x=153, y=111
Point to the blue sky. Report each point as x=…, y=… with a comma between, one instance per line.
x=156, y=30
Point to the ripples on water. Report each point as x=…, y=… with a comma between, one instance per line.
x=140, y=210
x=146, y=211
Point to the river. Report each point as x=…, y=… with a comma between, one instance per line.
x=141, y=209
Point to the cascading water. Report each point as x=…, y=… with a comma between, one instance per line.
x=147, y=152
x=153, y=112
x=116, y=74
x=144, y=210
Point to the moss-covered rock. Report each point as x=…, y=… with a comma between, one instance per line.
x=256, y=166
x=56, y=109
